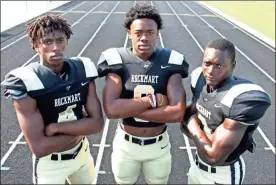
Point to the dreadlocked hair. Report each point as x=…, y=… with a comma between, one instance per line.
x=143, y=11
x=46, y=24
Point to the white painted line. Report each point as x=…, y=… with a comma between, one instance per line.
x=19, y=143
x=78, y=21
x=185, y=148
x=26, y=34
x=4, y=168
x=102, y=172
x=161, y=40
x=255, y=37
x=185, y=26
x=26, y=63
x=249, y=59
x=101, y=150
x=103, y=140
x=98, y=29
x=189, y=151
x=126, y=40
x=160, y=36
x=98, y=145
x=266, y=140
x=241, y=26
x=3, y=160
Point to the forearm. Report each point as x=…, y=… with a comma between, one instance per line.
x=123, y=108
x=82, y=127
x=166, y=114
x=202, y=142
x=52, y=144
x=185, y=130
x=190, y=111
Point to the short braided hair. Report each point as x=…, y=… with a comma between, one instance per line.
x=143, y=11
x=223, y=45
x=48, y=23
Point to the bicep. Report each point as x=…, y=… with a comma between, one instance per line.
x=30, y=119
x=175, y=90
x=227, y=137
x=112, y=89
x=93, y=106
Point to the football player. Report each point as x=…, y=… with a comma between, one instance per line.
x=144, y=90
x=222, y=117
x=50, y=97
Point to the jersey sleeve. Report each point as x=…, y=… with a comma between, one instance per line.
x=197, y=82
x=14, y=87
x=248, y=103
x=178, y=64
x=89, y=67
x=110, y=61
x=20, y=81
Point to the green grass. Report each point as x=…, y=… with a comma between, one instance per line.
x=259, y=15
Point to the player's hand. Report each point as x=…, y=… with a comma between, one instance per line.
x=51, y=129
x=162, y=100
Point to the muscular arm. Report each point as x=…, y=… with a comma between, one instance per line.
x=32, y=126
x=224, y=140
x=190, y=111
x=174, y=111
x=89, y=125
x=116, y=107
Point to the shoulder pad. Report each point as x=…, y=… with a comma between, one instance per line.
x=110, y=61
x=195, y=76
x=89, y=66
x=112, y=56
x=27, y=76
x=236, y=90
x=247, y=103
x=176, y=58
x=176, y=61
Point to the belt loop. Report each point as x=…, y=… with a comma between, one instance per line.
x=142, y=142
x=130, y=138
x=59, y=156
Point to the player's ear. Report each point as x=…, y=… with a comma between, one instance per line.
x=35, y=46
x=128, y=32
x=233, y=64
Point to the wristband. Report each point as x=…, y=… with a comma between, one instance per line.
x=162, y=101
x=152, y=100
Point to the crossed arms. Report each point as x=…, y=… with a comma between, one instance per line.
x=44, y=140
x=212, y=148
x=116, y=107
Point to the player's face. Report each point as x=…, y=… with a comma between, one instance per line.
x=216, y=66
x=51, y=48
x=143, y=34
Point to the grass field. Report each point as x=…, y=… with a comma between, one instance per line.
x=259, y=15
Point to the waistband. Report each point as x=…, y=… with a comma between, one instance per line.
x=119, y=129
x=213, y=169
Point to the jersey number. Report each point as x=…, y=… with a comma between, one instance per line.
x=141, y=91
x=68, y=114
